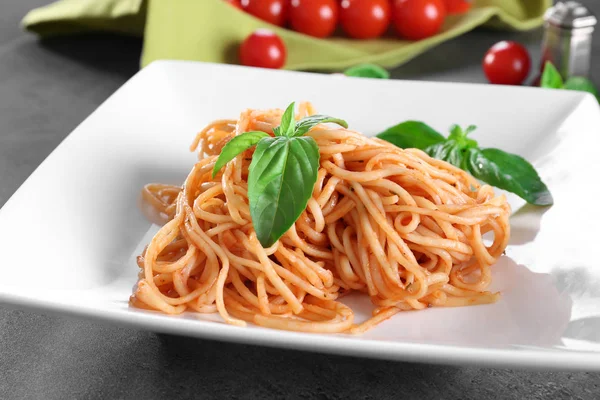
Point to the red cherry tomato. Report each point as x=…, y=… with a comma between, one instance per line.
x=263, y=48
x=314, y=17
x=506, y=63
x=271, y=11
x=364, y=19
x=457, y=6
x=235, y=3
x=418, y=19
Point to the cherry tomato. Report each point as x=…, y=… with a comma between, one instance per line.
x=364, y=19
x=314, y=17
x=235, y=3
x=418, y=19
x=457, y=6
x=506, y=63
x=263, y=48
x=271, y=11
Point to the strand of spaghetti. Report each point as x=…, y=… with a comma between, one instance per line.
x=324, y=274
x=409, y=262
x=300, y=266
x=208, y=127
x=275, y=279
x=375, y=320
x=342, y=322
x=222, y=276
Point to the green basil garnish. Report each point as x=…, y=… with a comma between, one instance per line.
x=412, y=134
x=235, y=146
x=287, y=126
x=581, y=84
x=306, y=124
x=552, y=79
x=367, y=71
x=447, y=150
x=509, y=172
x=495, y=167
x=453, y=149
x=282, y=173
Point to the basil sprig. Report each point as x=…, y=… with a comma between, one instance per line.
x=282, y=173
x=367, y=71
x=552, y=79
x=412, y=134
x=495, y=167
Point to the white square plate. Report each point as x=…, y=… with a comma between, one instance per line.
x=71, y=233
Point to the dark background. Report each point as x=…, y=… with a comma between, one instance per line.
x=46, y=89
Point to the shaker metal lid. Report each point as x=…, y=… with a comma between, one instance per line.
x=570, y=15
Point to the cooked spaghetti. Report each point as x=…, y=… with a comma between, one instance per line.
x=403, y=228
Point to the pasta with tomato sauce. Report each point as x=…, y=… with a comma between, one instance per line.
x=395, y=225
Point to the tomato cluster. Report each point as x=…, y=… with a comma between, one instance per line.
x=505, y=63
x=358, y=19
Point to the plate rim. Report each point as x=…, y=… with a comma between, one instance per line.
x=543, y=359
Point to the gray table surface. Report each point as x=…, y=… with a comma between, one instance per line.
x=46, y=89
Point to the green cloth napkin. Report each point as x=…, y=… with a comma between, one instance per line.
x=211, y=30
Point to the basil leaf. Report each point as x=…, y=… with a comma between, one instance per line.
x=449, y=151
x=509, y=172
x=412, y=134
x=288, y=123
x=235, y=146
x=456, y=132
x=460, y=135
x=551, y=78
x=581, y=84
x=455, y=156
x=282, y=175
x=367, y=71
x=439, y=150
x=306, y=124
x=470, y=129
